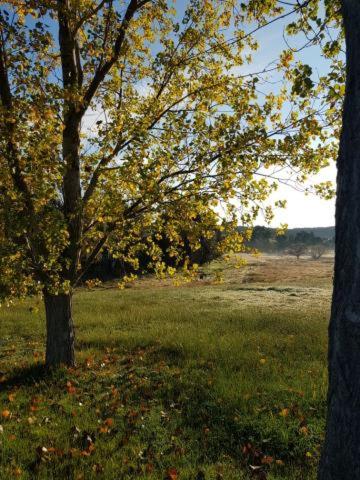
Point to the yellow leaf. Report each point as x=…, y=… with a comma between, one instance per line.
x=284, y=412
x=17, y=471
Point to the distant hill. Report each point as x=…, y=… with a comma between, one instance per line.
x=325, y=233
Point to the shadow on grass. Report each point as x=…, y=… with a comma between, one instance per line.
x=32, y=375
x=173, y=354
x=221, y=428
x=166, y=400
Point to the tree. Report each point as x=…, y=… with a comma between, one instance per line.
x=262, y=238
x=317, y=251
x=177, y=129
x=297, y=250
x=307, y=238
x=340, y=457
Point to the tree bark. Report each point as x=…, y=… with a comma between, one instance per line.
x=71, y=73
x=341, y=452
x=60, y=330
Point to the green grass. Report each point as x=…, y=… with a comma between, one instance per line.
x=206, y=381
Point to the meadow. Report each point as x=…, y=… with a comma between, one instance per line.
x=210, y=380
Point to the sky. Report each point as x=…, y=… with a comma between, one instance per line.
x=305, y=210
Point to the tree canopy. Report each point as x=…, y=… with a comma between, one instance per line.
x=118, y=117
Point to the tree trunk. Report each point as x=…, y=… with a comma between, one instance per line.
x=59, y=330
x=341, y=452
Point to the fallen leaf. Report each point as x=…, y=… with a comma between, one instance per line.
x=70, y=388
x=172, y=474
x=89, y=362
x=109, y=422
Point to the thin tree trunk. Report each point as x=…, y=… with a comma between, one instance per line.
x=341, y=452
x=59, y=330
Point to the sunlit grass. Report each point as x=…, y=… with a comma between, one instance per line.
x=206, y=381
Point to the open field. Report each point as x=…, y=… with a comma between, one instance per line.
x=204, y=381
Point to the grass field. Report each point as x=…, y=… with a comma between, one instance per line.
x=204, y=381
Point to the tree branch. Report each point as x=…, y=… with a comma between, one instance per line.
x=11, y=151
x=91, y=258
x=103, y=70
x=88, y=15
x=123, y=144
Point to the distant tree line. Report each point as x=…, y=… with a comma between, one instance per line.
x=293, y=242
